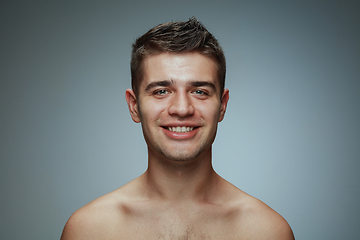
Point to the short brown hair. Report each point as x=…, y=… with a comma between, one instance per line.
x=176, y=37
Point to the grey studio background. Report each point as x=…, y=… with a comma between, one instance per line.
x=291, y=135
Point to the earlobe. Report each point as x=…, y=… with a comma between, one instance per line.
x=224, y=101
x=132, y=104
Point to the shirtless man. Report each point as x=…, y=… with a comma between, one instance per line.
x=178, y=96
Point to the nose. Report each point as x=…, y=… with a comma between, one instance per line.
x=181, y=105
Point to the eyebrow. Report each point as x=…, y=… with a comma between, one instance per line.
x=164, y=83
x=202, y=84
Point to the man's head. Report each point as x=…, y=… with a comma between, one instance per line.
x=178, y=95
x=176, y=37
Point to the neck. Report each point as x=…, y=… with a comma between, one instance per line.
x=176, y=181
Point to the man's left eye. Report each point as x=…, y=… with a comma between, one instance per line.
x=200, y=92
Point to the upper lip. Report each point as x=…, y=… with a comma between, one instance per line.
x=180, y=124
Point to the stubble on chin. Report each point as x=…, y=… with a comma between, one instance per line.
x=182, y=155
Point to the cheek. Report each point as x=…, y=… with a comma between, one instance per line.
x=210, y=112
x=151, y=111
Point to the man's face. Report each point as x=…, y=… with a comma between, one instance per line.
x=179, y=105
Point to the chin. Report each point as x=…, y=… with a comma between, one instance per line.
x=184, y=158
x=181, y=155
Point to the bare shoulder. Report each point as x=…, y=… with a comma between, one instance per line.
x=99, y=218
x=258, y=221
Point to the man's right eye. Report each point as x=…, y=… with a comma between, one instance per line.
x=161, y=92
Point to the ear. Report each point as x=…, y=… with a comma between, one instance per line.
x=224, y=101
x=133, y=105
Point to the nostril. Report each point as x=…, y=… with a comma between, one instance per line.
x=181, y=105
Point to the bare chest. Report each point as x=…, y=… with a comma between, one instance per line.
x=169, y=225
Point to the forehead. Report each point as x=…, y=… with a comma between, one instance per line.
x=180, y=68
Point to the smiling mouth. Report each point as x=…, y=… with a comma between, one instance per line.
x=180, y=129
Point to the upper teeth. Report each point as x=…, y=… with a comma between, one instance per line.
x=180, y=129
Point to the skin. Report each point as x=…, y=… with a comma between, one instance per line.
x=179, y=196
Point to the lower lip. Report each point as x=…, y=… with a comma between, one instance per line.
x=180, y=136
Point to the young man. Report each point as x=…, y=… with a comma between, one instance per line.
x=178, y=96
